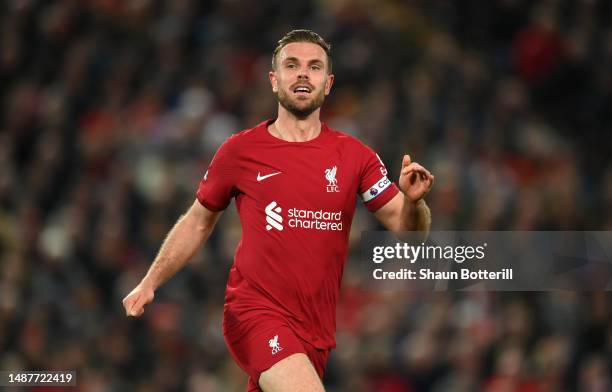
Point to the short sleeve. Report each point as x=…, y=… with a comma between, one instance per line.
x=375, y=188
x=218, y=186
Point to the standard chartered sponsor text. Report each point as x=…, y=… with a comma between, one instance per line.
x=317, y=220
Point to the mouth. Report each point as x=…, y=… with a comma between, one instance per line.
x=302, y=90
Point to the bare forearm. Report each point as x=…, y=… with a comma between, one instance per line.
x=179, y=246
x=415, y=217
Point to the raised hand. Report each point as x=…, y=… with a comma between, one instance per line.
x=415, y=181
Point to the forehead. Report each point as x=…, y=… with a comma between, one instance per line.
x=305, y=51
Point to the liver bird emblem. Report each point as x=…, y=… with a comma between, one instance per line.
x=330, y=175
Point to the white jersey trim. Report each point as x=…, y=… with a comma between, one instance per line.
x=376, y=189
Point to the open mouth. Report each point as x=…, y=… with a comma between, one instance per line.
x=302, y=90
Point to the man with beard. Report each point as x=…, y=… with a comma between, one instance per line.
x=295, y=181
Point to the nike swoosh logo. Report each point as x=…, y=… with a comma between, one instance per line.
x=261, y=178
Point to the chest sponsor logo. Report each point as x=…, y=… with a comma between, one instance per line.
x=302, y=219
x=274, y=219
x=330, y=176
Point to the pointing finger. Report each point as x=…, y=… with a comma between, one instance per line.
x=406, y=160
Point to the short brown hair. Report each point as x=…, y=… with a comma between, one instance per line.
x=303, y=36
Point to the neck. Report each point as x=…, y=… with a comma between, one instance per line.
x=293, y=129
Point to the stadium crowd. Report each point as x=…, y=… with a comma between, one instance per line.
x=111, y=110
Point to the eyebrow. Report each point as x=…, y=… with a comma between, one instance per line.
x=314, y=61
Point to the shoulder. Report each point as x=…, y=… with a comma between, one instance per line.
x=349, y=142
x=241, y=139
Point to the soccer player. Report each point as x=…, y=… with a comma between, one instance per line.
x=295, y=182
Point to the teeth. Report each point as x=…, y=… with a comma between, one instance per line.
x=302, y=89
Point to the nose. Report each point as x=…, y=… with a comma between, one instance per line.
x=303, y=74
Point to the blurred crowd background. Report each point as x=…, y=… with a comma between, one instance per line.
x=110, y=111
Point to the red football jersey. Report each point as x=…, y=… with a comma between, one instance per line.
x=296, y=201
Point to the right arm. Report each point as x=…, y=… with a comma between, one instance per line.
x=185, y=238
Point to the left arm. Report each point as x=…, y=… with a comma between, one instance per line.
x=407, y=211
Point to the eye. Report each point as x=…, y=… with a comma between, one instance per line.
x=291, y=66
x=315, y=67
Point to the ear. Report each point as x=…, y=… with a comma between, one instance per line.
x=328, y=83
x=273, y=81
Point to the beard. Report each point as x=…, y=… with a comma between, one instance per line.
x=298, y=108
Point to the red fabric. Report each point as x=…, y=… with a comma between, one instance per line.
x=268, y=341
x=290, y=260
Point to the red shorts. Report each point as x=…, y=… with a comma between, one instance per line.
x=270, y=341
